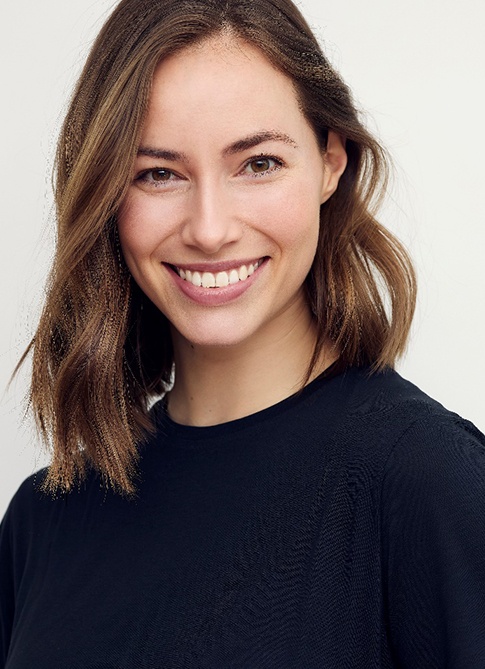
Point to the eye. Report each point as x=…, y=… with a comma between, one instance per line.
x=156, y=176
x=262, y=165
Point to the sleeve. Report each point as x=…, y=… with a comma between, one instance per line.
x=6, y=586
x=16, y=530
x=433, y=543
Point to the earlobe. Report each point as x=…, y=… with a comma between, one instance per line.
x=335, y=162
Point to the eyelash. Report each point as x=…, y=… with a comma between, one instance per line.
x=278, y=164
x=143, y=177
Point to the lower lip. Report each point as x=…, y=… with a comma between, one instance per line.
x=213, y=297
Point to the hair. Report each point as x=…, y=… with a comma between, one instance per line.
x=102, y=351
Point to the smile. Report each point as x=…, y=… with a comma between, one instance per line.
x=218, y=279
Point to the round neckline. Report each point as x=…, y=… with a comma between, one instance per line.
x=196, y=432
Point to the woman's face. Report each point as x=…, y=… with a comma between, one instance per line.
x=220, y=224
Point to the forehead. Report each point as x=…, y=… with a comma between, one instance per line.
x=220, y=57
x=220, y=83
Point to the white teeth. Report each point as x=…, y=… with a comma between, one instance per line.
x=208, y=280
x=221, y=279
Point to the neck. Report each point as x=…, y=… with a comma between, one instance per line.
x=217, y=385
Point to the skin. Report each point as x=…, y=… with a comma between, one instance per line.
x=202, y=198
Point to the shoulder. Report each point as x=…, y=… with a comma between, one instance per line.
x=398, y=431
x=402, y=409
x=427, y=437
x=32, y=510
x=432, y=529
x=438, y=442
x=25, y=501
x=436, y=469
x=21, y=522
x=388, y=391
x=432, y=493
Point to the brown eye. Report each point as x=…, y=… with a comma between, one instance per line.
x=153, y=178
x=160, y=175
x=260, y=165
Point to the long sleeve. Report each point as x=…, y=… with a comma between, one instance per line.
x=16, y=532
x=6, y=588
x=433, y=542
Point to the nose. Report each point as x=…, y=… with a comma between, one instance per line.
x=211, y=222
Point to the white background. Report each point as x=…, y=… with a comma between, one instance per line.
x=417, y=68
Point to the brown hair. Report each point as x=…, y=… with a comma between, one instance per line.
x=97, y=359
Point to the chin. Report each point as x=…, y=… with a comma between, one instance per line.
x=211, y=339
x=217, y=333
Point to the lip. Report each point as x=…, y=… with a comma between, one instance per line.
x=212, y=297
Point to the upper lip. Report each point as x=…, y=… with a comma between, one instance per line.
x=222, y=266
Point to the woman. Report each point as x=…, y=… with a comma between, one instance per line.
x=290, y=501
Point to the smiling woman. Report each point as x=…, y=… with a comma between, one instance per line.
x=236, y=204
x=239, y=477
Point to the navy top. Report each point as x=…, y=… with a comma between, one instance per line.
x=342, y=528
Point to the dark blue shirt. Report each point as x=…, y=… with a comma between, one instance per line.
x=343, y=528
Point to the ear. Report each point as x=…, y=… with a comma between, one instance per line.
x=335, y=162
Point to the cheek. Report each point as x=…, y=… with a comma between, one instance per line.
x=291, y=216
x=142, y=225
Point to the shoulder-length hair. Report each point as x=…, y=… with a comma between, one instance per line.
x=102, y=350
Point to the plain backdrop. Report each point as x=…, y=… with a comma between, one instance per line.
x=417, y=68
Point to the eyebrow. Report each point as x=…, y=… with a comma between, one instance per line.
x=162, y=154
x=238, y=146
x=251, y=141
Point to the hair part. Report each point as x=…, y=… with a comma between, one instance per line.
x=97, y=358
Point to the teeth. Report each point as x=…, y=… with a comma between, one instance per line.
x=221, y=279
x=208, y=280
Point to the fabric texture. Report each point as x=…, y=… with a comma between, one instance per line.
x=343, y=528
